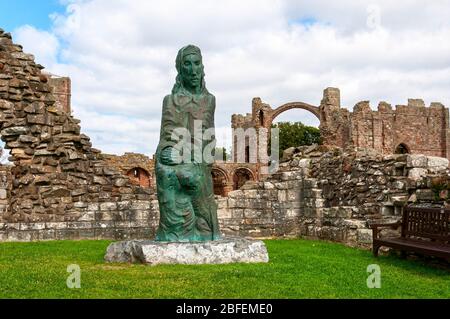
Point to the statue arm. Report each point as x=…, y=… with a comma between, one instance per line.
x=167, y=126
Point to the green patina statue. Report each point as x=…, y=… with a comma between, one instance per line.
x=188, y=211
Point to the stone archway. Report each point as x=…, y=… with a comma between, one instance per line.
x=139, y=176
x=241, y=176
x=220, y=181
x=295, y=105
x=289, y=106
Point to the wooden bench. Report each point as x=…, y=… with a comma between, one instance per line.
x=423, y=230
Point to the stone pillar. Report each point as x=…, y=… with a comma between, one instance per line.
x=61, y=89
x=334, y=121
x=331, y=98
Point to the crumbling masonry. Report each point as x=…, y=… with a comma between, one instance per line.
x=412, y=128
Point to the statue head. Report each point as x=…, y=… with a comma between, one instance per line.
x=191, y=75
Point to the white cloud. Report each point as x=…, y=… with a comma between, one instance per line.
x=44, y=45
x=120, y=56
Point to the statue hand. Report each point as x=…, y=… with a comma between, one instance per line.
x=169, y=156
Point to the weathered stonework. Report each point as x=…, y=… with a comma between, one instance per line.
x=227, y=176
x=138, y=167
x=411, y=128
x=59, y=186
x=332, y=194
x=223, y=251
x=62, y=91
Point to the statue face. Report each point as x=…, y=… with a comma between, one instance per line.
x=191, y=71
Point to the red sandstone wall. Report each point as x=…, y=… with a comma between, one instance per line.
x=422, y=129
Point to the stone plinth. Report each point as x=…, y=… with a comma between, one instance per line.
x=224, y=251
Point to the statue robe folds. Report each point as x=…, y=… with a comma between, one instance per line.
x=188, y=211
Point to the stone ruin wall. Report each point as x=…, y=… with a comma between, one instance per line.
x=59, y=188
x=420, y=129
x=333, y=195
x=138, y=167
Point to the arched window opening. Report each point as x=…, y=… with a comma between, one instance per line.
x=240, y=177
x=402, y=149
x=247, y=154
x=139, y=176
x=219, y=182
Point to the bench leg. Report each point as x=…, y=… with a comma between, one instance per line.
x=403, y=254
x=375, y=250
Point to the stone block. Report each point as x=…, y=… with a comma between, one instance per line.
x=237, y=213
x=13, y=226
x=93, y=206
x=140, y=205
x=32, y=226
x=227, y=250
x=364, y=236
x=108, y=206
x=104, y=233
x=416, y=160
x=251, y=213
x=80, y=205
x=425, y=195
x=86, y=233
x=22, y=236
x=67, y=234
x=104, y=216
x=79, y=225
x=268, y=185
x=122, y=224
x=291, y=213
x=222, y=203
x=417, y=174
x=223, y=213
x=56, y=225
x=3, y=194
x=282, y=196
x=437, y=163
x=47, y=234
x=139, y=223
x=87, y=217
x=103, y=224
x=293, y=195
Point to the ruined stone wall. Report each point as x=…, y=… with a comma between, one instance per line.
x=129, y=162
x=5, y=184
x=332, y=195
x=417, y=128
x=422, y=130
x=60, y=187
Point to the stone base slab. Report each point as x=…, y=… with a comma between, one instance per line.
x=224, y=251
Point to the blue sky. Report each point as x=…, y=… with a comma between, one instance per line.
x=15, y=13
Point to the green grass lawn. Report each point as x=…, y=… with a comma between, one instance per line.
x=297, y=269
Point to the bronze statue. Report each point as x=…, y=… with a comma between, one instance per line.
x=188, y=211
